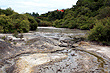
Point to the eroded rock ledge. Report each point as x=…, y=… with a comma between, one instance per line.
x=23, y=56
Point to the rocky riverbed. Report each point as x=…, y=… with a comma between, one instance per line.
x=52, y=50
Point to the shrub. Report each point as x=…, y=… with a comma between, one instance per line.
x=45, y=23
x=103, y=13
x=72, y=24
x=1, y=29
x=3, y=37
x=33, y=23
x=24, y=25
x=14, y=43
x=15, y=34
x=56, y=23
x=101, y=31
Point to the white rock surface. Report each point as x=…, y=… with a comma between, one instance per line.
x=26, y=63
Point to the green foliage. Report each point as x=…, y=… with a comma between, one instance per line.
x=101, y=31
x=103, y=13
x=33, y=23
x=1, y=29
x=7, y=12
x=91, y=15
x=5, y=23
x=51, y=16
x=3, y=37
x=11, y=21
x=20, y=22
x=56, y=23
x=72, y=24
x=14, y=43
x=35, y=14
x=24, y=26
x=18, y=16
x=45, y=23
x=15, y=34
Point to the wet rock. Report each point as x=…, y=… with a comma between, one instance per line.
x=12, y=38
x=69, y=50
x=75, y=45
x=59, y=70
x=63, y=45
x=83, y=43
x=78, y=39
x=1, y=40
x=1, y=63
x=6, y=50
x=72, y=54
x=65, y=51
x=46, y=67
x=67, y=64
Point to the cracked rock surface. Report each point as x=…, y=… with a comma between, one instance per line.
x=53, y=50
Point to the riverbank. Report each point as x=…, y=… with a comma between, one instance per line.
x=53, y=50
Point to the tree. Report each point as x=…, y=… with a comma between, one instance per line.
x=24, y=24
x=101, y=31
x=103, y=13
x=35, y=14
x=6, y=23
x=33, y=23
x=8, y=11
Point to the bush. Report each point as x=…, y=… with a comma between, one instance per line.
x=5, y=23
x=72, y=24
x=15, y=34
x=1, y=29
x=45, y=23
x=24, y=25
x=83, y=22
x=56, y=23
x=11, y=21
x=101, y=31
x=3, y=37
x=33, y=23
x=8, y=11
x=103, y=13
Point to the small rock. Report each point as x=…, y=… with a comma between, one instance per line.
x=72, y=54
x=63, y=45
x=69, y=50
x=12, y=38
x=59, y=70
x=75, y=45
x=1, y=40
x=65, y=51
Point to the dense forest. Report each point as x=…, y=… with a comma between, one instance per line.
x=93, y=15
x=11, y=22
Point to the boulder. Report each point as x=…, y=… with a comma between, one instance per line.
x=12, y=38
